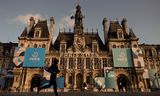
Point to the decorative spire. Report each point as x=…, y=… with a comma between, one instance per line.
x=78, y=26
x=52, y=23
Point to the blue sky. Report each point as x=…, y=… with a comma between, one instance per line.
x=143, y=16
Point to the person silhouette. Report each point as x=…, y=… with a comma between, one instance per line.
x=53, y=69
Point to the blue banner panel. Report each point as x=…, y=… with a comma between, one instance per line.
x=122, y=57
x=34, y=57
x=110, y=82
x=59, y=81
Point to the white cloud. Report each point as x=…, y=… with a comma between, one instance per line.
x=24, y=19
x=66, y=21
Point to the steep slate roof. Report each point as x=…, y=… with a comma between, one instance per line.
x=89, y=37
x=40, y=24
x=69, y=38
x=114, y=25
x=44, y=28
x=131, y=34
x=112, y=32
x=24, y=33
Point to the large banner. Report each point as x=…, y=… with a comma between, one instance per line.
x=122, y=57
x=137, y=57
x=34, y=57
x=19, y=56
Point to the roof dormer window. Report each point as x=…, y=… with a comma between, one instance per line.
x=120, y=33
x=37, y=33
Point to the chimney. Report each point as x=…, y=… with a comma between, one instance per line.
x=105, y=29
x=32, y=22
x=124, y=25
x=51, y=28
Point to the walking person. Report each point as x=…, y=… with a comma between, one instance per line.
x=53, y=69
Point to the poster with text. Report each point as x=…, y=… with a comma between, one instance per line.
x=34, y=57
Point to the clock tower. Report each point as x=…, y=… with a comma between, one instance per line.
x=79, y=40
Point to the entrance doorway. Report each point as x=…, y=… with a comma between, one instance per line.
x=35, y=82
x=122, y=82
x=79, y=81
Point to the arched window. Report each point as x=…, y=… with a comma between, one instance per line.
x=43, y=46
x=154, y=52
x=138, y=64
x=62, y=48
x=114, y=46
x=135, y=46
x=96, y=63
x=88, y=79
x=70, y=79
x=22, y=45
x=95, y=48
x=35, y=45
x=104, y=62
x=120, y=34
x=70, y=63
x=110, y=63
x=79, y=63
x=152, y=65
x=122, y=46
x=37, y=34
x=88, y=66
x=62, y=62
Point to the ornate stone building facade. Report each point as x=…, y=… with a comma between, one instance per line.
x=82, y=55
x=6, y=63
x=6, y=55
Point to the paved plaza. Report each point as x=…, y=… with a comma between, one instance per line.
x=154, y=93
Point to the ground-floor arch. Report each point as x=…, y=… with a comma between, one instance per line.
x=35, y=81
x=122, y=82
x=79, y=81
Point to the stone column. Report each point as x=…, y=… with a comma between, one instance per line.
x=76, y=63
x=66, y=79
x=84, y=77
x=93, y=63
x=75, y=83
x=67, y=63
x=84, y=71
x=84, y=63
